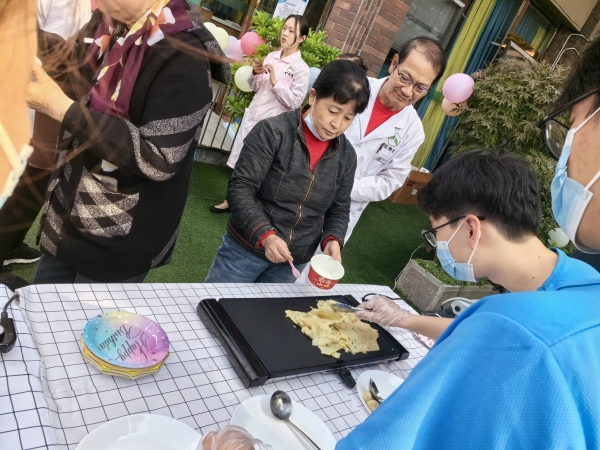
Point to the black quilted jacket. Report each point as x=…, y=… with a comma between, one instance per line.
x=273, y=188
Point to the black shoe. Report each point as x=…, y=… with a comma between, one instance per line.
x=215, y=210
x=10, y=279
x=23, y=254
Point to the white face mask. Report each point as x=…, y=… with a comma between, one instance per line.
x=311, y=125
x=570, y=198
x=17, y=160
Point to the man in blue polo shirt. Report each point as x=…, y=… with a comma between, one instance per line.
x=519, y=370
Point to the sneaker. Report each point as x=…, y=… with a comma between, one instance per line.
x=10, y=279
x=23, y=254
x=215, y=210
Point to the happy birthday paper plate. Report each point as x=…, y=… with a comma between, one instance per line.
x=126, y=339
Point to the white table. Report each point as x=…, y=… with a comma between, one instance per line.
x=50, y=398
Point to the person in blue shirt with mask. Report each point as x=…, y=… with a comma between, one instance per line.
x=520, y=370
x=493, y=226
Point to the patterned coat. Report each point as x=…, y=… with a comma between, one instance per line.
x=110, y=234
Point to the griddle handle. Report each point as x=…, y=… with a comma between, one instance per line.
x=347, y=377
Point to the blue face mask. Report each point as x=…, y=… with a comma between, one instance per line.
x=569, y=198
x=311, y=126
x=459, y=271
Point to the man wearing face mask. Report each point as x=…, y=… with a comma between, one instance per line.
x=522, y=369
x=575, y=189
x=519, y=370
x=488, y=231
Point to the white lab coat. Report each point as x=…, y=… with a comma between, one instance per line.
x=383, y=156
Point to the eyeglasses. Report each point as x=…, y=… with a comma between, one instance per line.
x=430, y=236
x=554, y=132
x=408, y=81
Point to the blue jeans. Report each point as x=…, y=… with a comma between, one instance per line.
x=234, y=264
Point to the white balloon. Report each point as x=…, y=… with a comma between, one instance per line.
x=210, y=25
x=221, y=36
x=558, y=237
x=241, y=78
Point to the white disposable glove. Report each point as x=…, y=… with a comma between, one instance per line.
x=382, y=311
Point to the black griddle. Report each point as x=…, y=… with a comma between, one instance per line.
x=262, y=343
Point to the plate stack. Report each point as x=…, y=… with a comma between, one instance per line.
x=124, y=344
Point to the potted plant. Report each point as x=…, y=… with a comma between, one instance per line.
x=426, y=285
x=508, y=99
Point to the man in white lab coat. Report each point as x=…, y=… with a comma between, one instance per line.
x=388, y=133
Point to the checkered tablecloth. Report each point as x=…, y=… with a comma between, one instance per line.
x=50, y=398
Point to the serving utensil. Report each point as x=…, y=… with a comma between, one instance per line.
x=346, y=308
x=295, y=271
x=281, y=407
x=374, y=391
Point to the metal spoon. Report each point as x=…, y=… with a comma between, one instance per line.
x=374, y=391
x=281, y=407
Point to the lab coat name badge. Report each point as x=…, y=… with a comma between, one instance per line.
x=394, y=141
x=382, y=156
x=290, y=71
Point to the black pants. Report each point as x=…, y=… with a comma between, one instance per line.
x=51, y=271
x=21, y=209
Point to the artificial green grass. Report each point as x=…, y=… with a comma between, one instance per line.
x=378, y=250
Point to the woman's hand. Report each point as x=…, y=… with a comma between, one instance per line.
x=258, y=69
x=276, y=249
x=271, y=71
x=332, y=248
x=45, y=96
x=383, y=311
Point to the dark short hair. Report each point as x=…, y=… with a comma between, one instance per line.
x=495, y=184
x=344, y=81
x=300, y=24
x=355, y=59
x=432, y=49
x=584, y=77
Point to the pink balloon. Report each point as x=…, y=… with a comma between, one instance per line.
x=458, y=87
x=250, y=41
x=234, y=49
x=452, y=109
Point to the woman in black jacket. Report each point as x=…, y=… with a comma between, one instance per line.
x=290, y=190
x=126, y=148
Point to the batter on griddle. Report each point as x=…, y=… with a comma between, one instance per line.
x=333, y=331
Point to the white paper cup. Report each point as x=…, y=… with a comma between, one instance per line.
x=324, y=271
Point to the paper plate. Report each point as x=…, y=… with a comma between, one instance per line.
x=255, y=416
x=126, y=340
x=386, y=384
x=142, y=432
x=111, y=369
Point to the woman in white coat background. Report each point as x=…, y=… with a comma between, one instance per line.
x=389, y=132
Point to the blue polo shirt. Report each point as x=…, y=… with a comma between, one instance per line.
x=519, y=370
x=566, y=271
